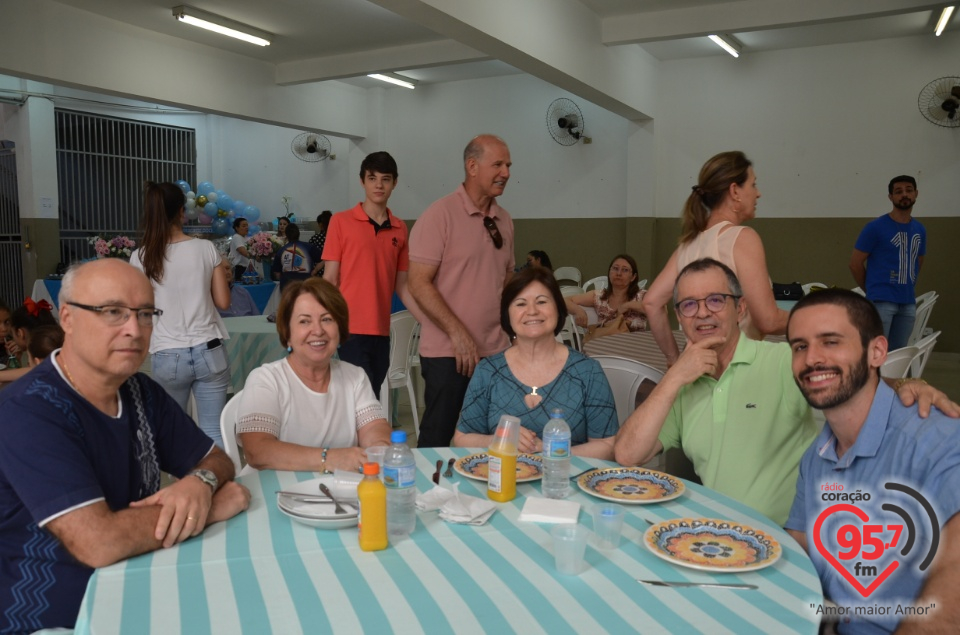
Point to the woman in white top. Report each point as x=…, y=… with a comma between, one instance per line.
x=724, y=197
x=239, y=257
x=309, y=411
x=186, y=347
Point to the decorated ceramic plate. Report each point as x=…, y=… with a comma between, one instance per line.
x=319, y=514
x=631, y=485
x=712, y=545
x=475, y=466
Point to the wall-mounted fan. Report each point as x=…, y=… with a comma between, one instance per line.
x=565, y=121
x=311, y=147
x=939, y=101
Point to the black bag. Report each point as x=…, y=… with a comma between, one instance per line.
x=789, y=291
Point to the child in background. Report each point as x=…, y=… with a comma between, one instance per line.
x=6, y=334
x=42, y=341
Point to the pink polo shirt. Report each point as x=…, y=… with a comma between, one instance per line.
x=369, y=262
x=450, y=235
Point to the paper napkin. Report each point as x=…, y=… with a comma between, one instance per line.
x=456, y=507
x=549, y=510
x=434, y=499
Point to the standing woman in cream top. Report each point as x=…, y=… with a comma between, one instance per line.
x=724, y=197
x=186, y=347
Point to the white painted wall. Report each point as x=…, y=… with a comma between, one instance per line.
x=426, y=130
x=826, y=127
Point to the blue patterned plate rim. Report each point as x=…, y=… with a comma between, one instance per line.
x=588, y=481
x=465, y=465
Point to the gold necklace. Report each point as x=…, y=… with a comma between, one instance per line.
x=66, y=371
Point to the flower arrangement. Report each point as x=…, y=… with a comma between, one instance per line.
x=116, y=247
x=263, y=245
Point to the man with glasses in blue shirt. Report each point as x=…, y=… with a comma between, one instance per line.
x=731, y=402
x=82, y=445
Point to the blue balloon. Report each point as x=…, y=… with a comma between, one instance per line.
x=183, y=185
x=224, y=202
x=238, y=207
x=221, y=226
x=205, y=188
x=251, y=213
x=254, y=230
x=210, y=209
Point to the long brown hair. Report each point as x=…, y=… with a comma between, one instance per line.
x=634, y=287
x=714, y=181
x=162, y=203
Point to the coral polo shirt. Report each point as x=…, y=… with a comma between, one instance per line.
x=369, y=258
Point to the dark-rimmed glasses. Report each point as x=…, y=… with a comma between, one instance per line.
x=494, y=231
x=714, y=303
x=117, y=314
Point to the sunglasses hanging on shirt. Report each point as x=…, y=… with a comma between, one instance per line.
x=494, y=232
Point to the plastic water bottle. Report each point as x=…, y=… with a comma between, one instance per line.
x=399, y=476
x=556, y=457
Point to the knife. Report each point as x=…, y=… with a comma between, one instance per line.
x=715, y=585
x=311, y=498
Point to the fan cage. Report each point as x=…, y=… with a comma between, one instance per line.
x=933, y=97
x=565, y=108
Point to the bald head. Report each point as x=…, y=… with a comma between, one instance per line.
x=487, y=168
x=112, y=272
x=478, y=145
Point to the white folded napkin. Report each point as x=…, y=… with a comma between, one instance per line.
x=549, y=510
x=456, y=507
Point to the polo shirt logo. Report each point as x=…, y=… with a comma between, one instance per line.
x=751, y=405
x=396, y=243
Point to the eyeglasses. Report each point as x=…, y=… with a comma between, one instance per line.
x=494, y=232
x=115, y=314
x=714, y=303
x=621, y=270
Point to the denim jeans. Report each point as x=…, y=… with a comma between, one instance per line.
x=897, y=321
x=205, y=371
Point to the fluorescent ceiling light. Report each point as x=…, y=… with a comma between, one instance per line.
x=728, y=43
x=398, y=80
x=224, y=26
x=944, y=18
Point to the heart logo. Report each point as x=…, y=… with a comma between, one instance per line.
x=862, y=515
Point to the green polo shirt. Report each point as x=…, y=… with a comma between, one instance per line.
x=745, y=432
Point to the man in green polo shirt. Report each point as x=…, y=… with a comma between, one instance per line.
x=730, y=402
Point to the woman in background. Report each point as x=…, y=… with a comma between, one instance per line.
x=540, y=259
x=318, y=239
x=724, y=197
x=623, y=296
x=189, y=286
x=282, y=223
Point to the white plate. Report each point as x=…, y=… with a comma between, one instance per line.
x=321, y=515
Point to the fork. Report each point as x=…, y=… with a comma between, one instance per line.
x=436, y=475
x=449, y=472
x=337, y=509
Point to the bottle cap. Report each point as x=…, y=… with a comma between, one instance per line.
x=556, y=413
x=508, y=433
x=398, y=436
x=371, y=469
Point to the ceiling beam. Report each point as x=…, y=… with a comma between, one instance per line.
x=557, y=41
x=746, y=15
x=395, y=58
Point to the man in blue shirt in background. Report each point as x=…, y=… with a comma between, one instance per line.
x=887, y=259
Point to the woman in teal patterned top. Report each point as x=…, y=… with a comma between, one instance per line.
x=537, y=374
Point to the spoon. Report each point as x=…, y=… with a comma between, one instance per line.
x=337, y=509
x=449, y=472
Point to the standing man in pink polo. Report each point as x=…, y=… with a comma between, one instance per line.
x=461, y=255
x=366, y=257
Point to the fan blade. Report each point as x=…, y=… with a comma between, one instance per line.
x=955, y=91
x=937, y=112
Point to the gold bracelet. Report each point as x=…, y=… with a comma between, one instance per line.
x=907, y=380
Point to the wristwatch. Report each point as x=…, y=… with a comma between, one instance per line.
x=207, y=477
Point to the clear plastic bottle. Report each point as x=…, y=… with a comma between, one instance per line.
x=399, y=476
x=556, y=456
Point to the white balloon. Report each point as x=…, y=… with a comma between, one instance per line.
x=191, y=203
x=191, y=213
x=191, y=194
x=212, y=197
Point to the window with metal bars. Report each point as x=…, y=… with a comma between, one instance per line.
x=102, y=164
x=11, y=266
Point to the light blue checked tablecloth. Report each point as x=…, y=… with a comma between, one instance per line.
x=261, y=573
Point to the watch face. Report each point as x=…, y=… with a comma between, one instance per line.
x=207, y=477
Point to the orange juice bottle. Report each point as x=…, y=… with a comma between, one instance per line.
x=372, y=521
x=502, y=464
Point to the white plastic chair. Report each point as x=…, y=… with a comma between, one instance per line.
x=924, y=297
x=571, y=335
x=631, y=382
x=228, y=430
x=642, y=284
x=807, y=287
x=859, y=291
x=924, y=309
x=568, y=273
x=925, y=346
x=402, y=340
x=599, y=284
x=569, y=291
x=898, y=362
